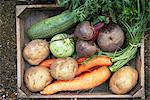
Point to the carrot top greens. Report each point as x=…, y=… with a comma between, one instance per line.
x=132, y=15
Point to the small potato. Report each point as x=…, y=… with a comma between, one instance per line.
x=64, y=68
x=36, y=51
x=123, y=80
x=36, y=78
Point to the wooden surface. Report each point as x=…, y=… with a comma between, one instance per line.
x=26, y=15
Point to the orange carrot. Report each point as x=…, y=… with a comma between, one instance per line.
x=81, y=82
x=80, y=60
x=47, y=63
x=97, y=61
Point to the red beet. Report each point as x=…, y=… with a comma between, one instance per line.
x=86, y=31
x=111, y=38
x=85, y=48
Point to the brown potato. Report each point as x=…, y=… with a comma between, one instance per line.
x=36, y=78
x=64, y=68
x=36, y=51
x=123, y=80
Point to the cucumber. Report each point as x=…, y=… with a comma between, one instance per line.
x=51, y=26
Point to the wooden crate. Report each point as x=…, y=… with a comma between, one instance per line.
x=29, y=14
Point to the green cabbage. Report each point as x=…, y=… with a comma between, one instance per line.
x=62, y=48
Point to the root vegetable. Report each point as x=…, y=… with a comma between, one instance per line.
x=85, y=48
x=84, y=81
x=36, y=51
x=98, y=61
x=47, y=63
x=64, y=68
x=36, y=78
x=86, y=31
x=64, y=62
x=123, y=80
x=80, y=60
x=111, y=38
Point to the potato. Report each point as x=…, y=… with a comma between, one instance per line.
x=36, y=78
x=36, y=51
x=123, y=80
x=64, y=68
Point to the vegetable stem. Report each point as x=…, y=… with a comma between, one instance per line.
x=96, y=30
x=121, y=63
x=138, y=4
x=98, y=26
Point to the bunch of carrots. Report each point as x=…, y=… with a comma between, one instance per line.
x=88, y=75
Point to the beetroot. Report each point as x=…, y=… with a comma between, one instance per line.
x=86, y=31
x=111, y=39
x=85, y=48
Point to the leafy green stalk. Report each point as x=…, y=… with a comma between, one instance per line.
x=89, y=8
x=71, y=4
x=132, y=15
x=134, y=22
x=138, y=4
x=136, y=32
x=81, y=9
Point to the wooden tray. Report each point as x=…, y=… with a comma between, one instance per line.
x=26, y=15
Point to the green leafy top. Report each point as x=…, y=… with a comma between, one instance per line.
x=132, y=15
x=126, y=10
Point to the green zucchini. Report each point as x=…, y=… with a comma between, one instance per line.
x=51, y=26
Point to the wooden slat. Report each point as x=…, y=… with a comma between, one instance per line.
x=141, y=92
x=18, y=52
x=21, y=94
x=43, y=6
x=142, y=70
x=20, y=9
x=142, y=64
x=88, y=95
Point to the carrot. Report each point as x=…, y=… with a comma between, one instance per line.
x=97, y=61
x=80, y=60
x=47, y=63
x=81, y=82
